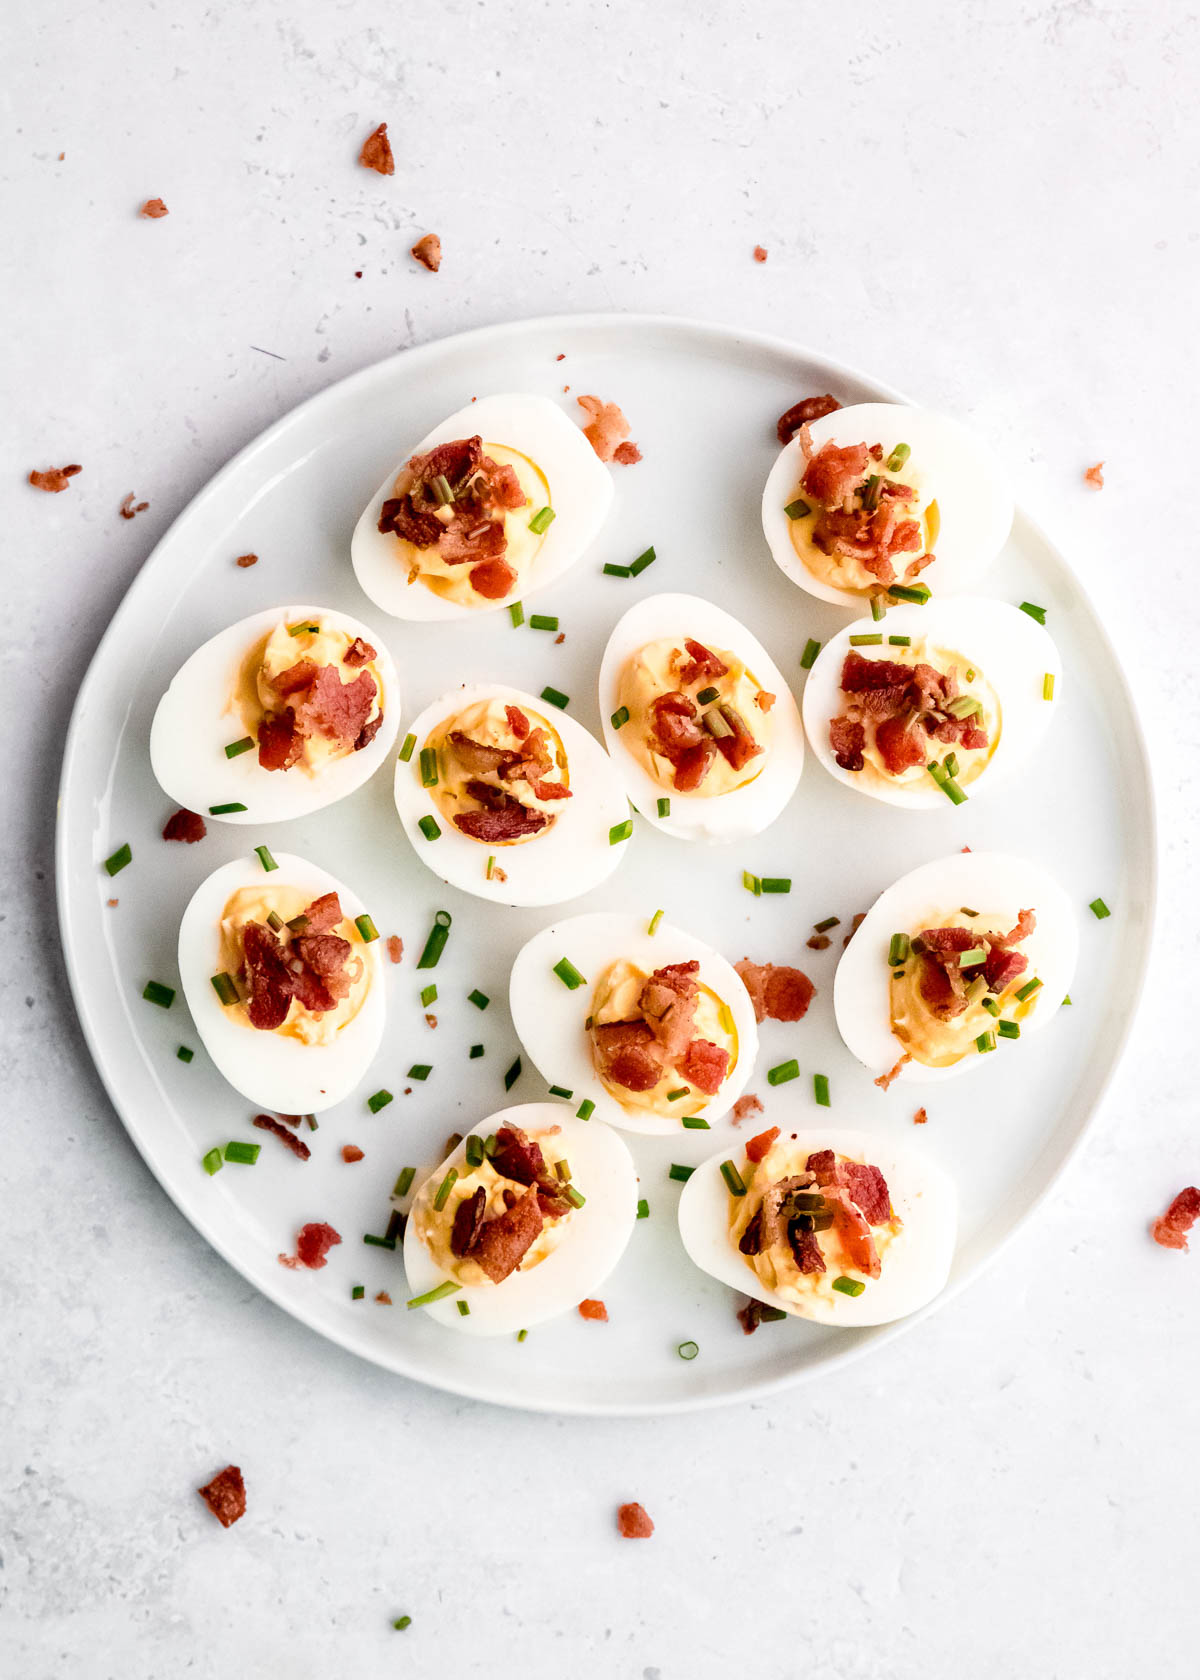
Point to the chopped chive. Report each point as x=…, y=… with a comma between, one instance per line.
x=620, y=717
x=541, y=521
x=305, y=629
x=521, y=1335
x=312, y=1122
x=419, y=1071
x=122, y=856
x=867, y=641
x=357, y=1293
x=706, y=696
x=586, y=1109
x=440, y=485
x=991, y=1005
x=899, y=949
x=977, y=990
x=490, y=870
x=849, y=1285
x=899, y=641
x=620, y=831
x=429, y=767
x=404, y=1183
x=575, y=1197
x=1009, y=1029
x=781, y=1074
x=438, y=1294
x=275, y=921
x=474, y=1150
x=298, y=924
x=569, y=974
x=554, y=698
x=402, y=1622
x=652, y=927
x=811, y=649
x=1099, y=909
x=643, y=1208
x=751, y=883
x=164, y=996
x=406, y=751
x=1034, y=611
x=616, y=571
x=243, y=1154
x=870, y=496
x=1048, y=686
x=947, y=784
x=372, y=1241
x=971, y=674
x=829, y=922
x=1067, y=1001
x=428, y=996
x=950, y=764
x=185, y=1053
x=878, y=610
x=397, y=1225
x=265, y=858
x=561, y=1091
x=512, y=1075
x=771, y=1315
x=367, y=931
x=679, y=1091
x=646, y=558
x=733, y=1179
x=479, y=999
x=777, y=883
x=898, y=457
x=543, y=621
x=429, y=828
x=985, y=1042
x=436, y=944
x=688, y=1350
x=562, y=1170
x=464, y=1310
x=380, y=1100
x=1025, y=992
x=444, y=1189
x=977, y=954
x=235, y=749
x=680, y=1174
x=475, y=1052
x=918, y=593
x=963, y=706
x=797, y=510
x=695, y=1123
x=664, y=807
x=821, y=1090
x=966, y=910
x=225, y=810
x=516, y=613
x=212, y=1162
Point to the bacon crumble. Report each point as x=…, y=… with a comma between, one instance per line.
x=225, y=1495
x=428, y=252
x=154, y=209
x=778, y=993
x=185, y=825
x=607, y=429
x=395, y=947
x=744, y=1107
x=594, y=1311
x=920, y=1118
x=633, y=1522
x=760, y=253
x=297, y=1145
x=351, y=1153
x=313, y=1243
x=54, y=479
x=129, y=509
x=1170, y=1229
x=1094, y=476
x=804, y=413
x=376, y=152
x=246, y=560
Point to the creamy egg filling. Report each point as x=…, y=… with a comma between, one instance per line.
x=522, y=545
x=255, y=904
x=776, y=1266
x=486, y=723
x=972, y=684
x=654, y=670
x=928, y=1038
x=844, y=571
x=616, y=998
x=319, y=640
x=434, y=1226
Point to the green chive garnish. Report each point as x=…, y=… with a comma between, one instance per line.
x=870, y=496
x=541, y=521
x=695, y=1123
x=305, y=629
x=464, y=1310
x=429, y=828
x=899, y=949
x=688, y=1350
x=680, y=1174
x=406, y=751
x=620, y=831
x=586, y=1109
x=164, y=996
x=542, y=621
x=797, y=510
x=517, y=613
x=436, y=944
x=357, y=1294
x=733, y=1179
x=811, y=649
x=429, y=767
x=380, y=1100
x=664, y=807
x=512, y=1075
x=777, y=883
x=275, y=921
x=679, y=1091
x=479, y=999
x=212, y=1162
x=985, y=1042
x=118, y=860
x=474, y=1150
x=620, y=717
x=657, y=917
x=752, y=883
x=235, y=749
x=977, y=990
x=372, y=1241
x=554, y=698
x=1009, y=1029
x=963, y=706
x=265, y=858
x=829, y=922
x=1034, y=611
x=404, y=1183
x=1099, y=909
x=947, y=784
x=444, y=1189
x=561, y=1091
x=918, y=593
x=420, y=1071
x=225, y=810
x=575, y=1197
x=1025, y=992
x=475, y=1052
x=706, y=696
x=643, y=1208
x=1067, y=1001
x=490, y=868
x=402, y=1622
x=785, y=1071
x=431, y=1295
x=899, y=641
x=428, y=996
x=646, y=558
x=244, y=1154
x=821, y=1090
x=616, y=571
x=298, y=924
x=977, y=954
x=990, y=1004
x=867, y=641
x=878, y=610
x=950, y=764
x=569, y=974
x=849, y=1285
x=1048, y=686
x=898, y=457
x=313, y=1123
x=185, y=1053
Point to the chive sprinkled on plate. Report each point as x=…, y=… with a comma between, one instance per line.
x=242, y=1154
x=521, y=1335
x=918, y=593
x=373, y=1241
x=561, y=1091
x=643, y=1208
x=1048, y=686
x=120, y=858
x=490, y=868
x=512, y=1074
x=357, y=1294
x=811, y=649
x=586, y=1109
x=1025, y=992
x=688, y=1350
x=849, y=1285
x=783, y=1072
x=543, y=621
x=899, y=949
x=776, y=884
x=235, y=749
x=429, y=767
x=1034, y=611
x=1067, y=1001
x=569, y=974
x=226, y=810
x=821, y=1090
x=555, y=697
x=312, y=1122
x=474, y=1150
x=652, y=926
x=475, y=1052
x=540, y=523
x=212, y=1162
x=185, y=1053
x=436, y=944
x=444, y=1189
x=664, y=807
x=695, y=1123
x=878, y=608
x=516, y=613
x=379, y=1100
x=752, y=883
x=733, y=1179
x=428, y=996
x=616, y=571
x=646, y=558
x=438, y=1294
x=464, y=1310
x=406, y=751
x=1009, y=1029
x=620, y=831
x=1099, y=909
x=824, y=926
x=419, y=1071
x=404, y=1183
x=402, y=1622
x=620, y=717
x=679, y=1173
x=429, y=828
x=479, y=999
x=875, y=640
x=797, y=510
x=985, y=1042
x=264, y=857
x=164, y=996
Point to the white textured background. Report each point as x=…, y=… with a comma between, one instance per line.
x=995, y=207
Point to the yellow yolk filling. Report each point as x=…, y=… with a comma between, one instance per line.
x=654, y=670
x=843, y=571
x=615, y=998
x=254, y=904
x=925, y=1036
x=434, y=1227
x=486, y=722
x=971, y=681
x=277, y=652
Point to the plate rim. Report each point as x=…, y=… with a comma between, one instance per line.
x=734, y=338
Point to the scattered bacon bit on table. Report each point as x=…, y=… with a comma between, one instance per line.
x=225, y=1495
x=595, y=1311
x=804, y=413
x=744, y=1107
x=313, y=1243
x=351, y=1152
x=185, y=825
x=428, y=252
x=861, y=918
x=112, y=903
x=54, y=479
x=395, y=947
x=1094, y=476
x=154, y=209
x=607, y=428
x=244, y=560
x=376, y=152
x=1170, y=1229
x=752, y=1315
x=384, y=1299
x=777, y=993
x=129, y=508
x=886, y=1080
x=760, y=253
x=431, y=1021
x=627, y=454
x=818, y=942
x=560, y=638
x=633, y=1522
x=920, y=1118
x=297, y=1145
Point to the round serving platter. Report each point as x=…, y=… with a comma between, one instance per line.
x=702, y=401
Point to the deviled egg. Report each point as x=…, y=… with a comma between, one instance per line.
x=492, y=504
x=508, y=798
x=879, y=500
x=917, y=709
x=641, y=1024
x=281, y=970
x=279, y=715
x=830, y=1226
x=699, y=721
x=521, y=1222
x=958, y=960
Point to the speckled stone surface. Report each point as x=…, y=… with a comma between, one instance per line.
x=993, y=207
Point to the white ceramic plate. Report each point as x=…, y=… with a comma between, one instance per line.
x=702, y=401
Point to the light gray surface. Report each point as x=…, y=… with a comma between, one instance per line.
x=992, y=208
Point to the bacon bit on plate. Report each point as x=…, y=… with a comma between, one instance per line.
x=129, y=508
x=244, y=560
x=54, y=479
x=1094, y=476
x=428, y=252
x=607, y=427
x=431, y=1020
x=1170, y=1229
x=759, y=1147
x=297, y=1145
x=395, y=947
x=920, y=1118
x=752, y=1315
x=819, y=942
x=561, y=357
x=861, y=918
x=376, y=152
x=886, y=1080
x=313, y=1243
x=634, y=1522
x=760, y=253
x=804, y=413
x=351, y=1153
x=112, y=903
x=560, y=638
x=778, y=994
x=627, y=454
x=384, y=1299
x=154, y=209
x=225, y=1495
x=185, y=825
x=744, y=1107
x=595, y=1311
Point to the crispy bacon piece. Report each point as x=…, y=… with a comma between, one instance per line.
x=675, y=720
x=626, y=454
x=750, y=1241
x=517, y=721
x=358, y=653
x=860, y=675
x=760, y=253
x=395, y=947
x=54, y=479
x=899, y=748
x=1003, y=967
x=503, y=820
x=324, y=953
x=1094, y=476
x=704, y=1065
x=324, y=913
x=297, y=1145
x=804, y=413
x=1026, y=924
x=336, y=709
x=351, y=1153
x=279, y=741
x=518, y=1156
x=245, y=560
x=376, y=152
x=313, y=1243
x=886, y=1080
x=632, y=1520
x=744, y=1107
x=701, y=662
x=428, y=252
x=153, y=209
x=628, y=1055
x=806, y=1250
x=384, y=1299
x=920, y=1118
x=606, y=428
x=853, y=1231
x=268, y=977
x=549, y=790
x=847, y=738
x=185, y=825
x=834, y=472
x=1170, y=1229
x=740, y=747
x=468, y=1222
x=777, y=993
x=773, y=1212
x=668, y=1004
x=504, y=1241
x=868, y=1187
x=225, y=1495
x=691, y=767
x=130, y=507
x=295, y=678
x=595, y=1311
x=758, y=1148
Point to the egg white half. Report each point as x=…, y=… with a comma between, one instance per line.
x=993, y=883
x=570, y=858
x=196, y=720
x=745, y=810
x=602, y=1170
x=956, y=468
x=581, y=493
x=1011, y=650
x=549, y=1017
x=914, y=1268
x=270, y=1069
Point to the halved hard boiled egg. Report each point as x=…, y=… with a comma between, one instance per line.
x=836, y=1227
x=497, y=501
x=642, y=1024
x=521, y=1222
x=954, y=965
x=879, y=498
x=957, y=692
x=700, y=723
x=509, y=798
x=283, y=981
x=281, y=714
